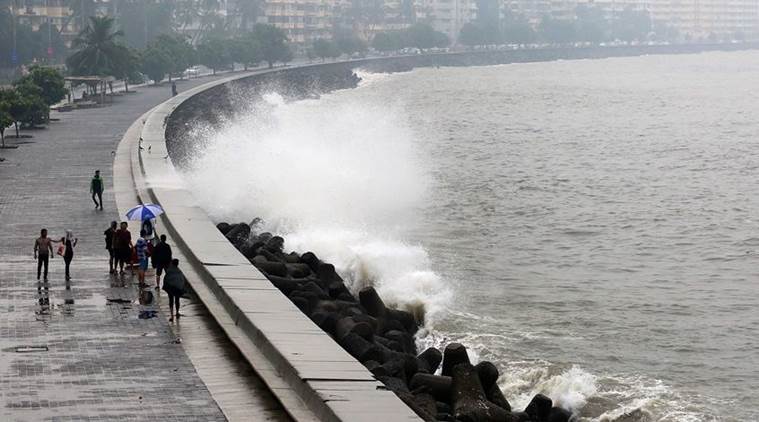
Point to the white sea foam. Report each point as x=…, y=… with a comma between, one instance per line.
x=342, y=179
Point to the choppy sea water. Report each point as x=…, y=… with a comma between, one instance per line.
x=590, y=226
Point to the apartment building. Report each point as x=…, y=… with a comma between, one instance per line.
x=304, y=20
x=39, y=12
x=694, y=18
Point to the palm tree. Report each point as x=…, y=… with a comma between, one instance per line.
x=97, y=50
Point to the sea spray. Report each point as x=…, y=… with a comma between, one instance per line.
x=343, y=179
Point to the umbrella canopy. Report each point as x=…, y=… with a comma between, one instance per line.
x=144, y=212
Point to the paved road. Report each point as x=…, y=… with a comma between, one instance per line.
x=98, y=360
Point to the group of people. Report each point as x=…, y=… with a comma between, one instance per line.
x=122, y=252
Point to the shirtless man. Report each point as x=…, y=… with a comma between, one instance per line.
x=43, y=250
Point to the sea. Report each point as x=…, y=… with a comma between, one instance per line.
x=590, y=226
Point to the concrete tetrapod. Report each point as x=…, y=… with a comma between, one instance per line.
x=382, y=339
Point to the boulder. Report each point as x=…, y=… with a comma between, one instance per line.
x=298, y=270
x=468, y=397
x=488, y=374
x=559, y=415
x=495, y=395
x=454, y=354
x=238, y=234
x=437, y=385
x=372, y=302
x=285, y=285
x=310, y=259
x=361, y=349
x=270, y=268
x=348, y=325
x=433, y=357
x=224, y=227
x=539, y=408
x=275, y=244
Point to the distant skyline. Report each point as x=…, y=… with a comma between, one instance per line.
x=307, y=20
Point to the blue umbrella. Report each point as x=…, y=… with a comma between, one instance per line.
x=144, y=212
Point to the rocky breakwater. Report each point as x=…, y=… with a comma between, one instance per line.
x=438, y=386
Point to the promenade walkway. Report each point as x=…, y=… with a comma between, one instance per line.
x=88, y=356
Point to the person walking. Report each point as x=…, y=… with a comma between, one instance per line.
x=141, y=247
x=122, y=243
x=174, y=285
x=68, y=255
x=109, y=235
x=43, y=250
x=96, y=188
x=174, y=89
x=161, y=259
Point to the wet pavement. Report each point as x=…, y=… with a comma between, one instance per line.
x=82, y=352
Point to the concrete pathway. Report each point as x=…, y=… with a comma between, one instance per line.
x=87, y=355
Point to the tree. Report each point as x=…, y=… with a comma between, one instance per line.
x=155, y=63
x=214, y=53
x=52, y=87
x=422, y=36
x=97, y=49
x=591, y=25
x=23, y=105
x=387, y=41
x=324, y=48
x=273, y=44
x=556, y=30
x=5, y=115
x=245, y=49
x=472, y=34
x=179, y=51
x=128, y=69
x=347, y=42
x=632, y=25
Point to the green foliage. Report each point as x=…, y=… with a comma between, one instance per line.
x=155, y=63
x=24, y=105
x=632, y=25
x=52, y=87
x=591, y=25
x=556, y=30
x=387, y=41
x=246, y=49
x=215, y=54
x=273, y=44
x=97, y=49
x=472, y=34
x=419, y=35
x=422, y=36
x=129, y=66
x=5, y=115
x=325, y=48
x=347, y=42
x=180, y=53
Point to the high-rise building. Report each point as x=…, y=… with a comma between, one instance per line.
x=36, y=13
x=303, y=20
x=692, y=18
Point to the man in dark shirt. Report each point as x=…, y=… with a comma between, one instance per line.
x=96, y=188
x=122, y=243
x=109, y=234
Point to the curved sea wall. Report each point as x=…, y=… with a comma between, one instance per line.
x=296, y=307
